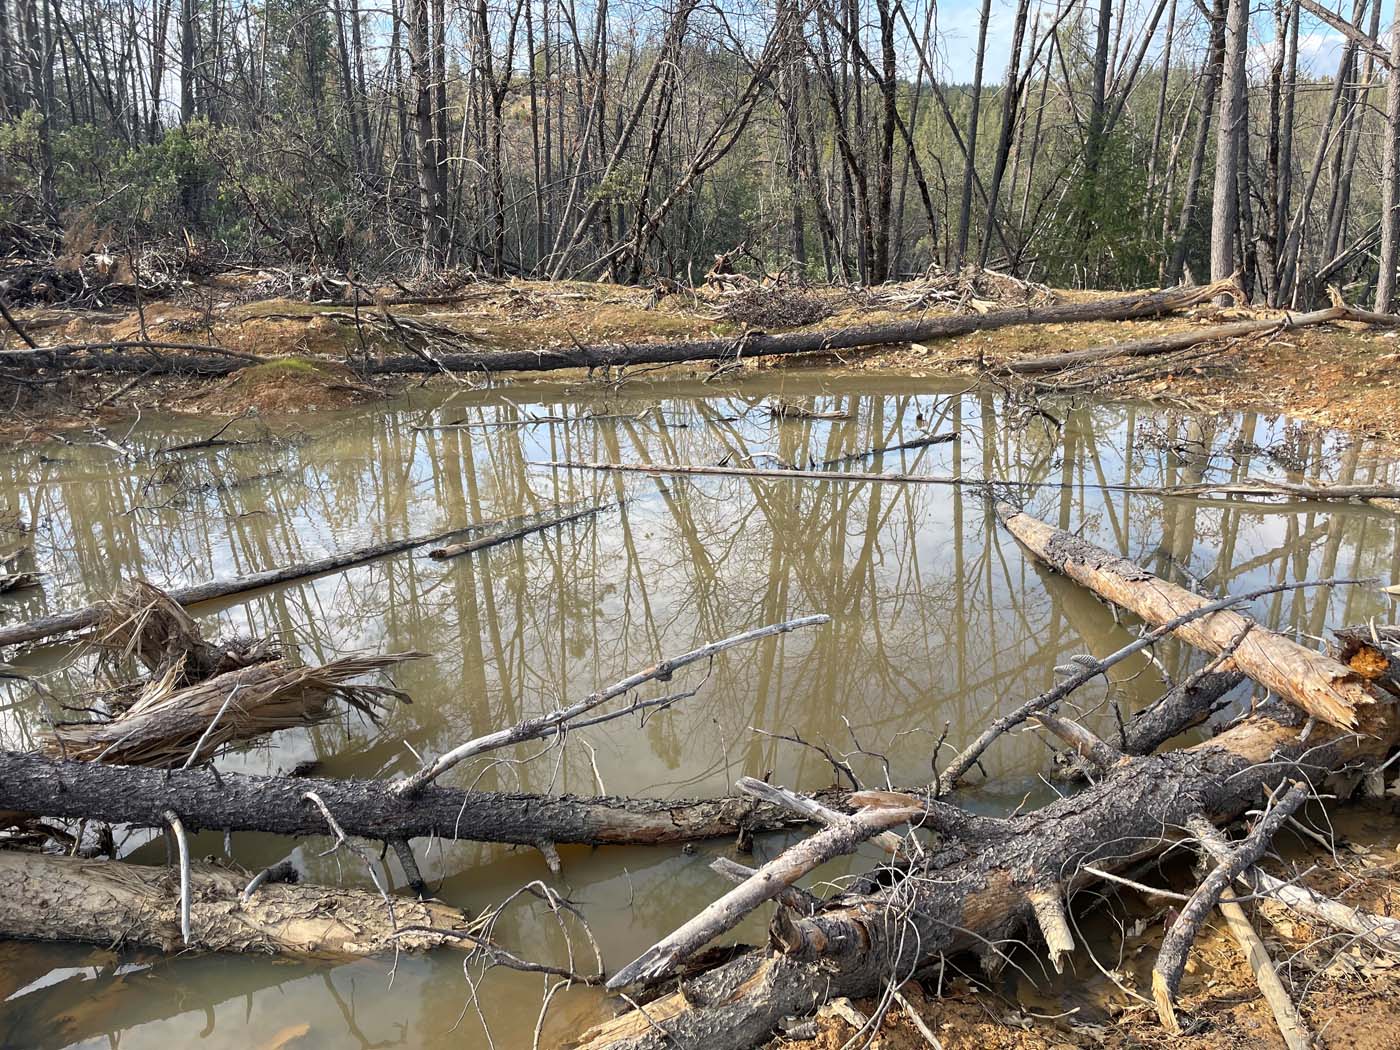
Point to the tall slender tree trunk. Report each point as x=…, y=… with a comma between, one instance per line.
x=1010, y=103
x=187, y=74
x=432, y=216
x=1390, y=177
x=1215, y=60
x=1225, y=203
x=970, y=158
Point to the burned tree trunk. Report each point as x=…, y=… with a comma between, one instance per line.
x=204, y=798
x=979, y=887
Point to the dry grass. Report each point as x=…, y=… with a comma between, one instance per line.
x=169, y=725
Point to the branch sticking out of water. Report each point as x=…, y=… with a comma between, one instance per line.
x=556, y=721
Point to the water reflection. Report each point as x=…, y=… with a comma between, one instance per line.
x=937, y=621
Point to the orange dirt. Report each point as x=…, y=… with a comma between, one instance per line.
x=1349, y=997
x=1340, y=376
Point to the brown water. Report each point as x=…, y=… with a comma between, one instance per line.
x=937, y=620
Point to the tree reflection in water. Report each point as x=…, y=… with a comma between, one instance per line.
x=937, y=618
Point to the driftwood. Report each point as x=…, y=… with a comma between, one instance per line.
x=978, y=887
x=206, y=799
x=499, y=531
x=1324, y=688
x=1162, y=344
x=1176, y=945
x=110, y=903
x=171, y=725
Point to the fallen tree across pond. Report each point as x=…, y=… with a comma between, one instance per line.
x=432, y=350
x=43, y=897
x=1323, y=687
x=205, y=799
x=991, y=878
x=761, y=344
x=488, y=533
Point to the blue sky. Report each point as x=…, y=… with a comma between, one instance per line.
x=957, y=20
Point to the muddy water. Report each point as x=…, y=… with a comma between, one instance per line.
x=938, y=623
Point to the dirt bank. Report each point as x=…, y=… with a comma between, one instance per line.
x=1341, y=375
x=1349, y=997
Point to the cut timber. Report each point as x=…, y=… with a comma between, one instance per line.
x=1163, y=344
x=761, y=344
x=204, y=799
x=978, y=887
x=1321, y=686
x=500, y=530
x=51, y=898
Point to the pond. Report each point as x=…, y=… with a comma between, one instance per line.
x=938, y=623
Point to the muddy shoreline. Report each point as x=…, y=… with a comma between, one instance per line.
x=1335, y=379
x=1340, y=376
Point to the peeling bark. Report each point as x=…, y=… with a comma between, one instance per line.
x=1316, y=683
x=49, y=898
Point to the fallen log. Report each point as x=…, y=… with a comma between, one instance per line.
x=761, y=344
x=113, y=903
x=37, y=357
x=1163, y=344
x=207, y=799
x=977, y=888
x=500, y=530
x=1324, y=688
x=1378, y=495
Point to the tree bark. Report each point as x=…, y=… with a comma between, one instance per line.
x=50, y=898
x=980, y=885
x=1390, y=180
x=206, y=799
x=1225, y=202
x=1321, y=686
